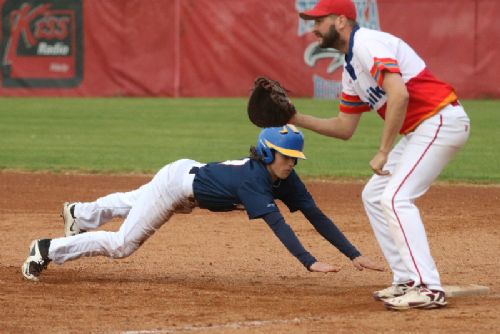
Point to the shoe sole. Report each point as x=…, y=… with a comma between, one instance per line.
x=430, y=306
x=25, y=266
x=66, y=216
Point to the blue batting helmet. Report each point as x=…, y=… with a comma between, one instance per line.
x=288, y=140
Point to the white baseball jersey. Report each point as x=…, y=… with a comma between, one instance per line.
x=371, y=53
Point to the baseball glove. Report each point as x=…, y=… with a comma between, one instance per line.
x=269, y=104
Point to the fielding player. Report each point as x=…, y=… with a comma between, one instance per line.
x=252, y=184
x=383, y=73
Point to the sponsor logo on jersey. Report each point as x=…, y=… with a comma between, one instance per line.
x=375, y=94
x=324, y=85
x=42, y=43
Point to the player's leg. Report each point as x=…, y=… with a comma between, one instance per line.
x=428, y=151
x=154, y=206
x=90, y=215
x=371, y=196
x=433, y=144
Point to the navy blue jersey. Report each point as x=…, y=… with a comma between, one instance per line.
x=228, y=185
x=223, y=186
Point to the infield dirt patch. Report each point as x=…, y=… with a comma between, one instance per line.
x=220, y=273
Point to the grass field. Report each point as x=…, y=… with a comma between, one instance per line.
x=122, y=135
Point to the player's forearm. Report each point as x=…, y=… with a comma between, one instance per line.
x=331, y=127
x=394, y=118
x=286, y=235
x=330, y=232
x=395, y=113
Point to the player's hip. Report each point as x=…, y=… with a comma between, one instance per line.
x=449, y=127
x=174, y=181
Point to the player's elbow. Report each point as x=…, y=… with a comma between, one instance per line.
x=339, y=132
x=404, y=97
x=346, y=135
x=400, y=96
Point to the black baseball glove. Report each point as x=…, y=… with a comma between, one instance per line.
x=269, y=104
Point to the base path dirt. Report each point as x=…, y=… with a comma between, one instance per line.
x=221, y=273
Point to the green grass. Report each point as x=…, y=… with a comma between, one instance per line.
x=122, y=135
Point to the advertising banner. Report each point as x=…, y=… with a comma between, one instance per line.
x=42, y=43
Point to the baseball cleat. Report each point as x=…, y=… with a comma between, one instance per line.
x=394, y=290
x=37, y=260
x=70, y=225
x=417, y=297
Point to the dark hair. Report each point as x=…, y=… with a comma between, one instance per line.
x=352, y=23
x=253, y=154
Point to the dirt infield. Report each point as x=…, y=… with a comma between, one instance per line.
x=220, y=273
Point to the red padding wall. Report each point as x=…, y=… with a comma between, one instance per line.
x=185, y=48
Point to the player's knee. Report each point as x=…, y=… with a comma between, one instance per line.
x=124, y=251
x=386, y=201
x=369, y=196
x=392, y=203
x=124, y=248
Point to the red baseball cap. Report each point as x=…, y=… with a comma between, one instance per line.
x=329, y=7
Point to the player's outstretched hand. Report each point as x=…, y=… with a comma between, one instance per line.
x=321, y=267
x=362, y=262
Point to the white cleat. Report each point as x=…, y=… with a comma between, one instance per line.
x=37, y=260
x=417, y=297
x=394, y=290
x=70, y=224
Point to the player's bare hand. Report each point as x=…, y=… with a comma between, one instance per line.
x=378, y=162
x=321, y=267
x=362, y=262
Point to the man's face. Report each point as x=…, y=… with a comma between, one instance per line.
x=282, y=166
x=324, y=28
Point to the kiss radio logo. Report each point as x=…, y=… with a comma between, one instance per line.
x=42, y=43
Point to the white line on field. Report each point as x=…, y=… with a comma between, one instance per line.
x=233, y=325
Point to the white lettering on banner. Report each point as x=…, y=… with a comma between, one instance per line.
x=58, y=49
x=59, y=67
x=367, y=16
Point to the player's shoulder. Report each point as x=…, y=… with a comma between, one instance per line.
x=365, y=39
x=367, y=34
x=256, y=170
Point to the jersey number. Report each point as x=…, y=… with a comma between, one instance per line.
x=235, y=162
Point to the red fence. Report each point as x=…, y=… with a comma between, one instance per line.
x=217, y=47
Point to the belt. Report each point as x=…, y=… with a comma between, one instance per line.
x=194, y=170
x=455, y=103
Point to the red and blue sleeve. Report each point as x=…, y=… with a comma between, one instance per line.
x=352, y=104
x=383, y=64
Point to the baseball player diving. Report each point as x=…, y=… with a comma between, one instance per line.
x=383, y=73
x=252, y=183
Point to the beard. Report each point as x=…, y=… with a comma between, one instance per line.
x=331, y=39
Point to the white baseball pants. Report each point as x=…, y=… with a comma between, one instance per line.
x=415, y=162
x=146, y=209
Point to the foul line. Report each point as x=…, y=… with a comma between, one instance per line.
x=231, y=325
